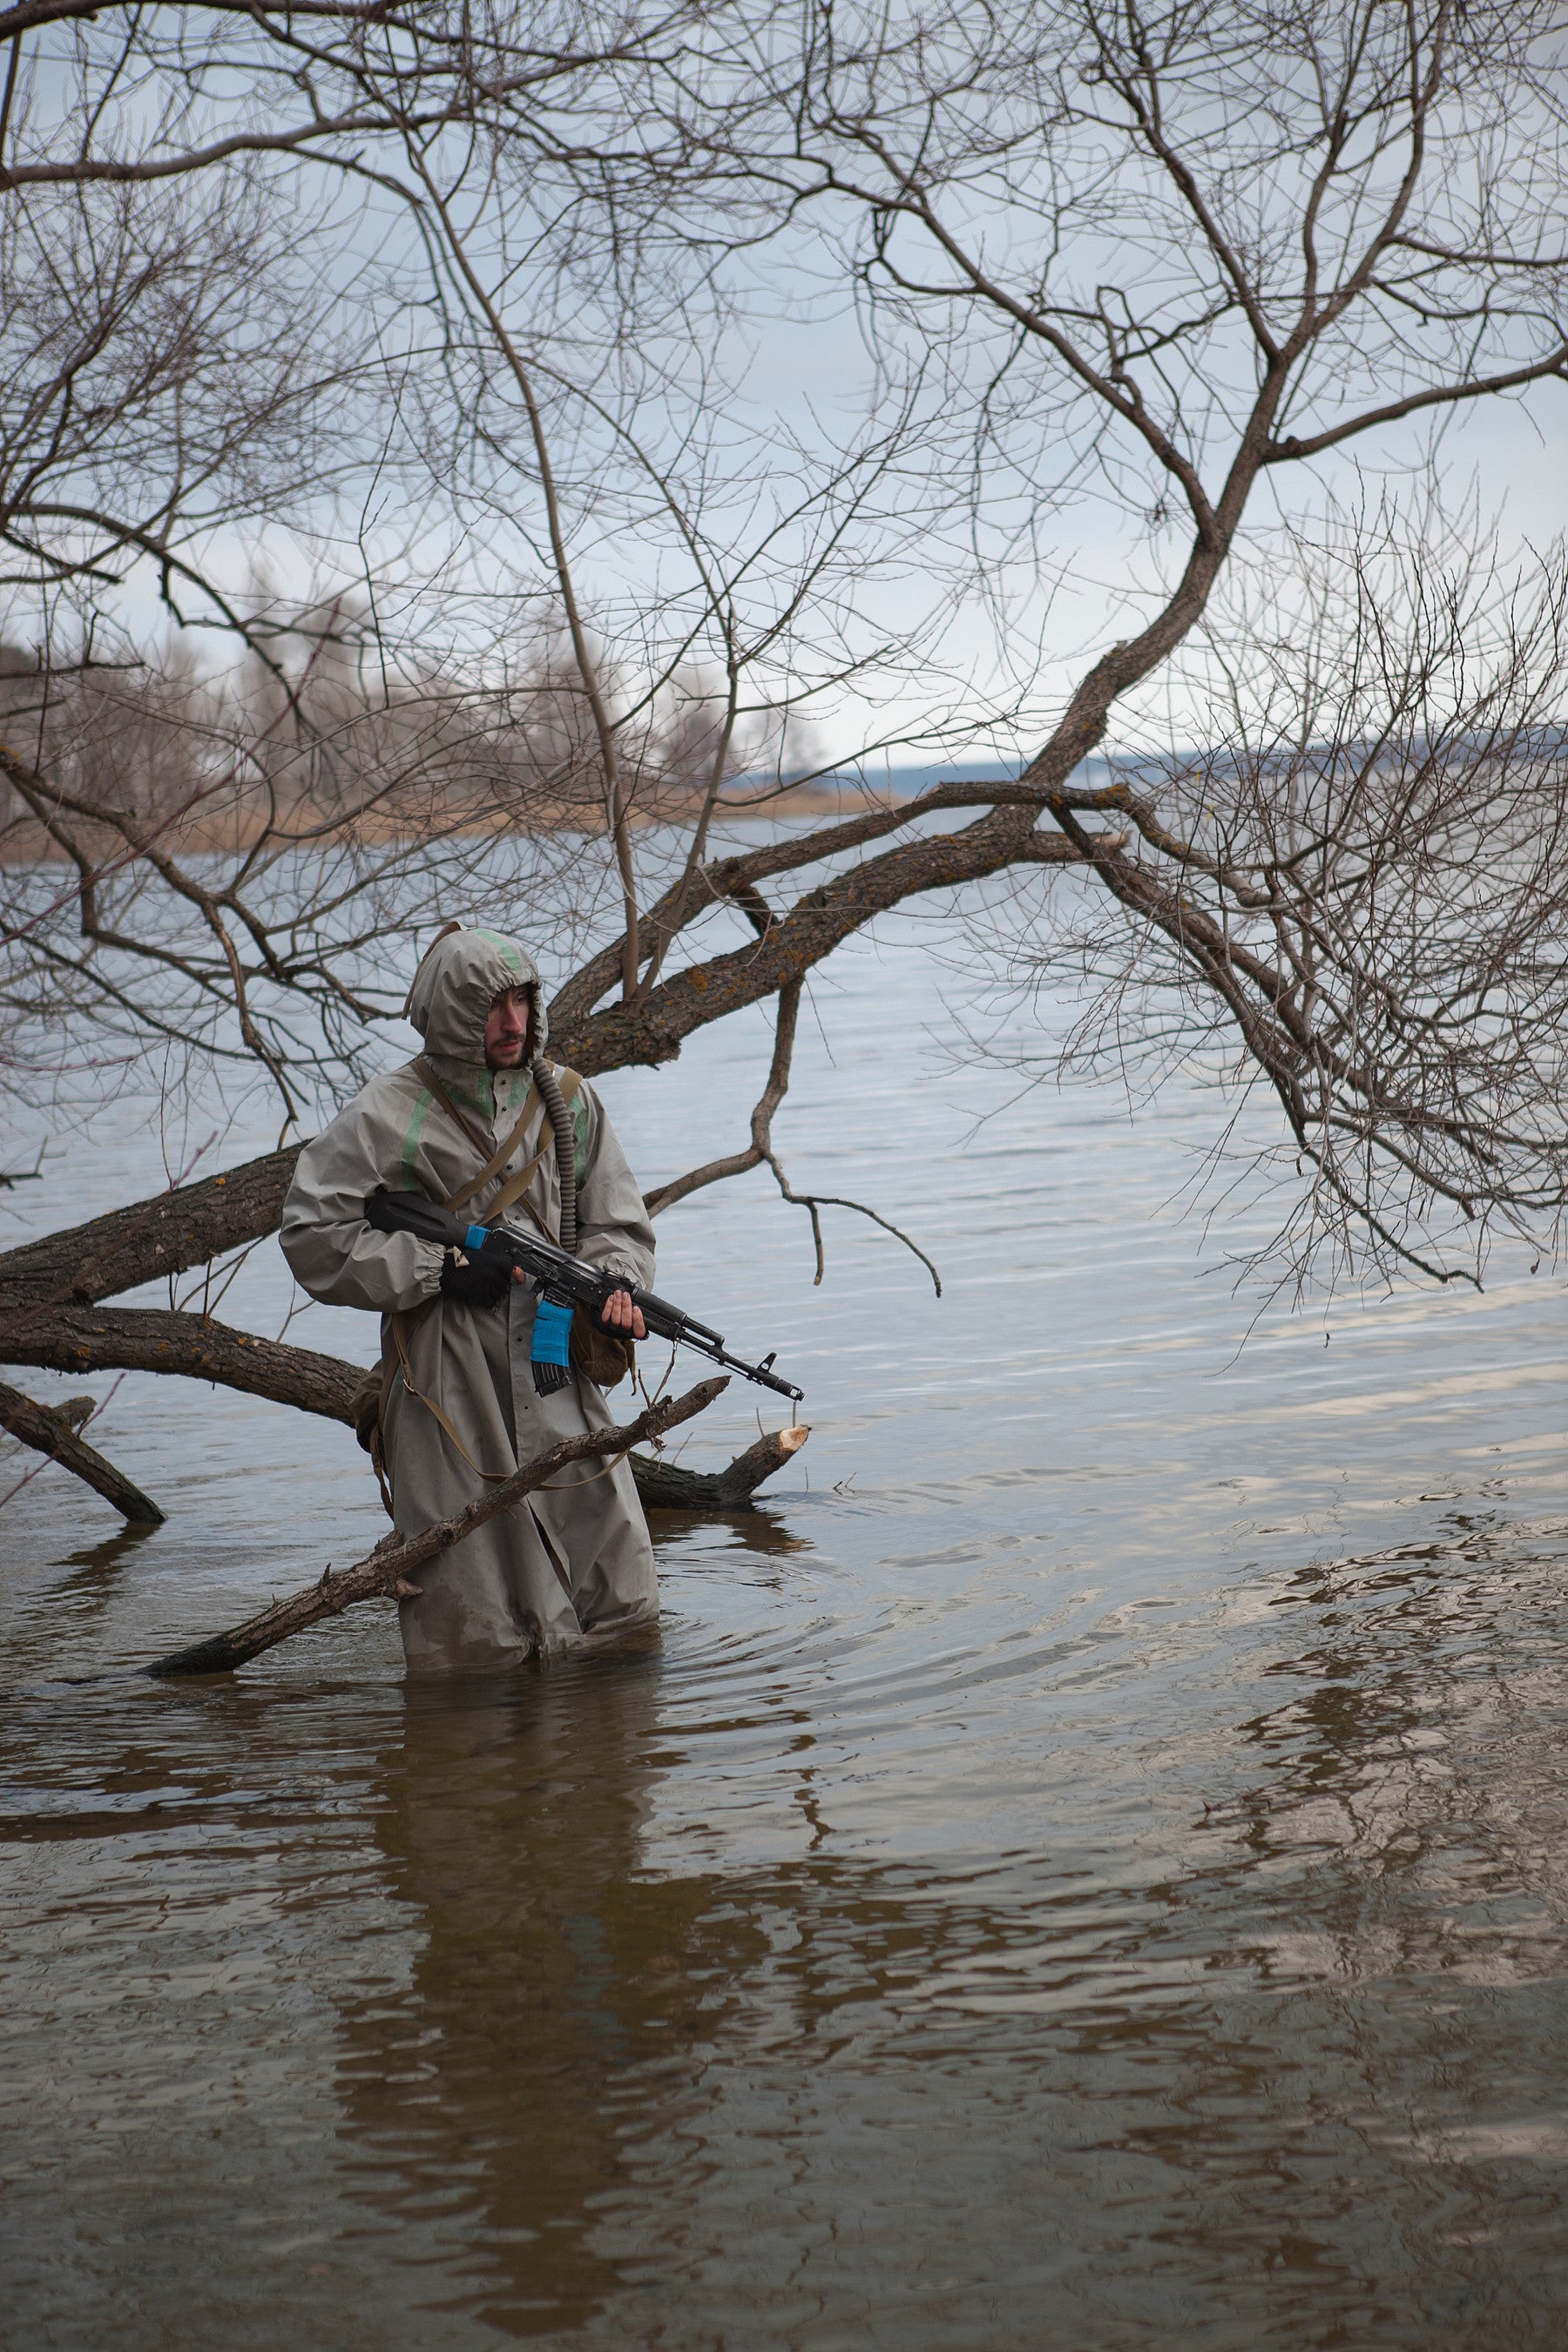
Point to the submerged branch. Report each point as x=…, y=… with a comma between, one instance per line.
x=54, y=1435
x=385, y=1571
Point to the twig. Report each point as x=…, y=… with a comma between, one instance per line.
x=615, y=801
x=759, y=1152
x=812, y=1202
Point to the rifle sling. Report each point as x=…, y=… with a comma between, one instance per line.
x=514, y=1190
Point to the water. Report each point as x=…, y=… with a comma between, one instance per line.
x=1081, y=1868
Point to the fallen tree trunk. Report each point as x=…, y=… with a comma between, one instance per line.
x=164, y=1340
x=666, y=1486
x=54, y=1436
x=386, y=1570
x=188, y=1226
x=161, y=1339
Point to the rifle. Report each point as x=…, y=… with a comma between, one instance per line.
x=563, y=1280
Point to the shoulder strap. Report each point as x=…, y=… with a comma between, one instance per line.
x=425, y=1071
x=400, y=1328
x=498, y=1159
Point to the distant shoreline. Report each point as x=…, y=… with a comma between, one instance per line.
x=213, y=830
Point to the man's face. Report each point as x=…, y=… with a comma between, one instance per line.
x=506, y=1031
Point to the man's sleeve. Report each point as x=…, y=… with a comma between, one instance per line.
x=332, y=1253
x=612, y=1228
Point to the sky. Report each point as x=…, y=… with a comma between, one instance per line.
x=806, y=375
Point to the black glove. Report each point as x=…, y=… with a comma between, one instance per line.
x=474, y=1278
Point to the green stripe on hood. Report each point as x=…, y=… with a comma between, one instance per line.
x=456, y=985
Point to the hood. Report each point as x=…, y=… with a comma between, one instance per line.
x=457, y=983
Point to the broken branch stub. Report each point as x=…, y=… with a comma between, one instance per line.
x=666, y=1487
x=387, y=1569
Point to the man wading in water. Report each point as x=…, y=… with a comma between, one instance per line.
x=476, y=1123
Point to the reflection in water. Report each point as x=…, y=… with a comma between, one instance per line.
x=1418, y=1762
x=417, y=1975
x=610, y=2096
x=555, y=1991
x=759, y=1530
x=114, y=1551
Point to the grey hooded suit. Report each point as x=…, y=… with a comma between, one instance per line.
x=565, y=1561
